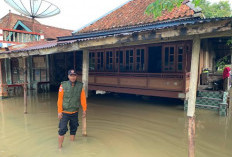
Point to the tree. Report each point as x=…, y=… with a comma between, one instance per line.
x=157, y=7
x=220, y=9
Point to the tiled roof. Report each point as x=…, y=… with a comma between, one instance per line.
x=132, y=14
x=130, y=30
x=11, y=19
x=48, y=31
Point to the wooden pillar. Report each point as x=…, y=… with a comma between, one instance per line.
x=47, y=67
x=29, y=72
x=85, y=76
x=85, y=70
x=22, y=37
x=4, y=36
x=8, y=71
x=18, y=37
x=74, y=60
x=191, y=137
x=13, y=37
x=206, y=53
x=192, y=94
x=25, y=84
x=3, y=85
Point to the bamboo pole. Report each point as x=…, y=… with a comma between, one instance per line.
x=85, y=75
x=192, y=94
x=25, y=84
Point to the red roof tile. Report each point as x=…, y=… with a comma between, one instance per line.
x=132, y=13
x=49, y=32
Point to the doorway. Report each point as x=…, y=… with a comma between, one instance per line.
x=155, y=59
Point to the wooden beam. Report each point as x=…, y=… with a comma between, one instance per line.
x=25, y=84
x=45, y=51
x=85, y=78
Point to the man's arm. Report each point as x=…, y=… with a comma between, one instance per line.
x=83, y=102
x=60, y=101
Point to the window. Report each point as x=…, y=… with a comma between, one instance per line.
x=100, y=61
x=39, y=69
x=129, y=60
x=119, y=60
x=180, y=55
x=140, y=59
x=91, y=61
x=109, y=60
x=169, y=58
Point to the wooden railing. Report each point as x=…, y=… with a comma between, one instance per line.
x=154, y=75
x=160, y=81
x=18, y=36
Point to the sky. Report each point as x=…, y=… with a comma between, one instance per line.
x=76, y=14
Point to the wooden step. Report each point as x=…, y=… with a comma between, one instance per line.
x=207, y=106
x=209, y=98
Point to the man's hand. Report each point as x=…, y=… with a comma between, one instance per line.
x=60, y=115
x=84, y=114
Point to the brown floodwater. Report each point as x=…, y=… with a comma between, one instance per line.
x=117, y=126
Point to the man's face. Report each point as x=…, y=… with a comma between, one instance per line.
x=72, y=78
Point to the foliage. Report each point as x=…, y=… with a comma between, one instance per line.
x=229, y=42
x=156, y=8
x=221, y=9
x=221, y=63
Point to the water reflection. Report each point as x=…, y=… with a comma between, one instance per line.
x=117, y=126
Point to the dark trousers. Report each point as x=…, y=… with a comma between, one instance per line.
x=72, y=119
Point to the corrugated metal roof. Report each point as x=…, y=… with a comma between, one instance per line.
x=38, y=46
x=140, y=28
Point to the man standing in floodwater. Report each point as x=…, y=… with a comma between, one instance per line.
x=71, y=95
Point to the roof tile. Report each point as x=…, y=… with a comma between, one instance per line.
x=132, y=13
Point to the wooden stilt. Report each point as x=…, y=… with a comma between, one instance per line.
x=85, y=75
x=192, y=94
x=25, y=84
x=191, y=136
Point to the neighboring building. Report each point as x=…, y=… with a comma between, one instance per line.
x=16, y=29
x=17, y=32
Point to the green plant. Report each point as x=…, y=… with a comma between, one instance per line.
x=229, y=42
x=156, y=8
x=220, y=9
x=221, y=63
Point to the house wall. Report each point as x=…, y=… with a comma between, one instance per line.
x=172, y=81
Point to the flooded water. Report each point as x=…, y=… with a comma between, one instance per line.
x=117, y=126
